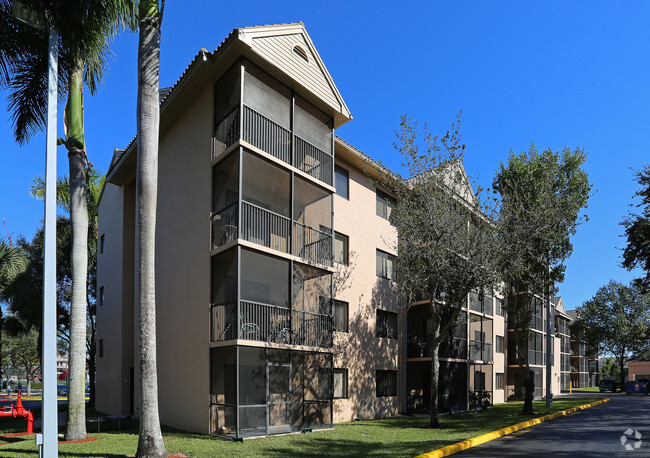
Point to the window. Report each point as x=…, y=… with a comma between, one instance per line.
x=498, y=381
x=385, y=265
x=385, y=205
x=101, y=243
x=101, y=295
x=101, y=348
x=342, y=182
x=324, y=383
x=386, y=383
x=499, y=344
x=340, y=316
x=341, y=248
x=498, y=306
x=340, y=383
x=386, y=324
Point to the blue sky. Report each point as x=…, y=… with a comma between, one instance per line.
x=556, y=73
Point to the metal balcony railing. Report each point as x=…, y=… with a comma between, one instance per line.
x=267, y=135
x=312, y=244
x=270, y=323
x=272, y=230
x=265, y=227
x=227, y=133
x=480, y=351
x=224, y=226
x=313, y=161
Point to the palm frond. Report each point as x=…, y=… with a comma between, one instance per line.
x=37, y=189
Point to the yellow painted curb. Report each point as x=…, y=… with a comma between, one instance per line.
x=469, y=443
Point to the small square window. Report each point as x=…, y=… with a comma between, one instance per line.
x=340, y=383
x=386, y=324
x=340, y=316
x=341, y=248
x=101, y=295
x=101, y=348
x=386, y=383
x=342, y=182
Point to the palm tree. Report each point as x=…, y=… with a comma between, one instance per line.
x=150, y=442
x=94, y=187
x=84, y=28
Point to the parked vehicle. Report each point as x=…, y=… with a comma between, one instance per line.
x=607, y=385
x=61, y=390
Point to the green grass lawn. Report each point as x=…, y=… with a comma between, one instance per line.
x=592, y=389
x=404, y=436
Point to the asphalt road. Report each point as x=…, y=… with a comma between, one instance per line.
x=594, y=432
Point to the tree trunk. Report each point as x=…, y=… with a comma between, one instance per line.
x=529, y=393
x=76, y=424
x=434, y=421
x=150, y=441
x=621, y=362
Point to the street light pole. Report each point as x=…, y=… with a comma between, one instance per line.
x=550, y=318
x=50, y=425
x=50, y=414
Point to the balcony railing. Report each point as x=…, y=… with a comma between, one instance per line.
x=267, y=135
x=453, y=347
x=270, y=323
x=224, y=226
x=480, y=351
x=272, y=230
x=312, y=244
x=227, y=133
x=265, y=227
x=313, y=161
x=272, y=138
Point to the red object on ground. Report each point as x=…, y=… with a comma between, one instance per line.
x=20, y=411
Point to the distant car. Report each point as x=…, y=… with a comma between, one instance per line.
x=61, y=390
x=607, y=385
x=22, y=388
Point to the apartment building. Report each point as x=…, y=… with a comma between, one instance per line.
x=579, y=360
x=563, y=335
x=274, y=261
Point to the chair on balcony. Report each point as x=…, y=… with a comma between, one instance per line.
x=249, y=330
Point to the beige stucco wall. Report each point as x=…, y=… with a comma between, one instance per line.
x=360, y=351
x=499, y=329
x=183, y=268
x=110, y=389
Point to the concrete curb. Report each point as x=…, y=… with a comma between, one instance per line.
x=469, y=443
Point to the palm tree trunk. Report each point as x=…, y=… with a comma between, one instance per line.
x=150, y=442
x=76, y=425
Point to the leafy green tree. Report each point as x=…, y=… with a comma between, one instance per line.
x=637, y=231
x=84, y=28
x=446, y=243
x=610, y=368
x=23, y=351
x=542, y=197
x=150, y=441
x=617, y=320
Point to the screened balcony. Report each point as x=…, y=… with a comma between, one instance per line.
x=279, y=303
x=257, y=391
x=480, y=347
x=274, y=119
x=480, y=351
x=266, y=211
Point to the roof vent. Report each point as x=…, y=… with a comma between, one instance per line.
x=301, y=52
